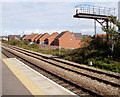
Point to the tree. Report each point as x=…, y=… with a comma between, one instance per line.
x=113, y=33
x=86, y=41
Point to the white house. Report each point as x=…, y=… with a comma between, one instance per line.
x=5, y=38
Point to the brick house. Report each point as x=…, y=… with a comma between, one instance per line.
x=26, y=37
x=30, y=37
x=42, y=39
x=67, y=39
x=36, y=39
x=50, y=39
x=17, y=37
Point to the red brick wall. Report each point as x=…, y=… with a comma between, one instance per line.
x=50, y=40
x=56, y=42
x=68, y=41
x=42, y=39
x=33, y=38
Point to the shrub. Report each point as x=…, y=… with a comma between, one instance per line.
x=68, y=58
x=4, y=41
x=115, y=67
x=96, y=52
x=14, y=42
x=24, y=42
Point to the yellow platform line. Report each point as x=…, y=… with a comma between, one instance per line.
x=26, y=82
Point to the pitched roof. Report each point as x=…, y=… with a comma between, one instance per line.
x=38, y=37
x=61, y=34
x=26, y=37
x=30, y=36
x=54, y=35
x=44, y=35
x=78, y=35
x=12, y=36
x=4, y=36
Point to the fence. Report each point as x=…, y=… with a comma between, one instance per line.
x=97, y=10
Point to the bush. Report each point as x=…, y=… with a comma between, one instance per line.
x=17, y=42
x=4, y=41
x=115, y=67
x=24, y=42
x=14, y=42
x=96, y=52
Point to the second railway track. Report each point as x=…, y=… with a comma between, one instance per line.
x=98, y=83
x=109, y=79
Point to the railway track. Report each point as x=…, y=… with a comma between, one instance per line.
x=108, y=78
x=80, y=91
x=91, y=80
x=57, y=79
x=108, y=73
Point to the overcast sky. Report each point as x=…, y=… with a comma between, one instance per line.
x=42, y=17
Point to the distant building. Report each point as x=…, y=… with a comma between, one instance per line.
x=67, y=39
x=42, y=39
x=4, y=38
x=78, y=35
x=36, y=39
x=23, y=37
x=17, y=37
x=50, y=40
x=101, y=35
x=30, y=37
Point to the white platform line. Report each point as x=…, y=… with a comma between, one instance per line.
x=47, y=78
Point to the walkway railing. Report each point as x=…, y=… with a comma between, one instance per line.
x=96, y=10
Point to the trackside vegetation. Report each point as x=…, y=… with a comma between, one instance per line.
x=103, y=54
x=95, y=52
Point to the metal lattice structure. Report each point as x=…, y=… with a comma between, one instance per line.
x=95, y=10
x=99, y=14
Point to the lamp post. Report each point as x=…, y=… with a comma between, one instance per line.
x=119, y=10
x=59, y=50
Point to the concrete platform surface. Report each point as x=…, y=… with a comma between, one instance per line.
x=35, y=82
x=11, y=85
